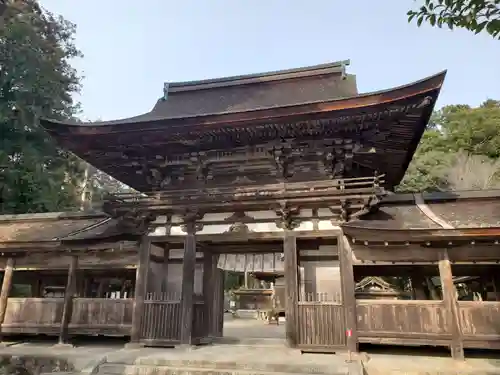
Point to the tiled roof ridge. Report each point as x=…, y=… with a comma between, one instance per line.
x=307, y=71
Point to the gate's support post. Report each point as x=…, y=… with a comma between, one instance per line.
x=348, y=290
x=166, y=257
x=219, y=303
x=188, y=270
x=6, y=287
x=140, y=290
x=450, y=298
x=291, y=287
x=208, y=290
x=69, y=293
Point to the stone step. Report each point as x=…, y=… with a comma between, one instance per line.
x=207, y=370
x=206, y=367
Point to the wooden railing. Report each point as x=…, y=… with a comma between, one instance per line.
x=33, y=315
x=112, y=317
x=247, y=193
x=321, y=325
x=402, y=321
x=161, y=322
x=101, y=316
x=480, y=323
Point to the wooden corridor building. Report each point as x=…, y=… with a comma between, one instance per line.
x=287, y=170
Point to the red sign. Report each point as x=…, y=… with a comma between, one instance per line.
x=348, y=333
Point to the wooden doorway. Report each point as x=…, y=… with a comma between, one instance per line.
x=321, y=311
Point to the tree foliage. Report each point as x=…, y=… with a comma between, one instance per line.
x=459, y=151
x=96, y=185
x=36, y=80
x=473, y=15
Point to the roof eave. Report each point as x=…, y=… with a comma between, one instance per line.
x=428, y=84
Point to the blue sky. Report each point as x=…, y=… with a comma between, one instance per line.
x=132, y=47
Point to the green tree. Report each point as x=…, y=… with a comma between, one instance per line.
x=36, y=80
x=427, y=170
x=462, y=140
x=473, y=130
x=473, y=15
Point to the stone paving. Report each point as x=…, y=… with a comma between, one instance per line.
x=252, y=328
x=87, y=359
x=266, y=355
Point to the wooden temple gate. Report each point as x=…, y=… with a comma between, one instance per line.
x=222, y=152
x=314, y=282
x=163, y=309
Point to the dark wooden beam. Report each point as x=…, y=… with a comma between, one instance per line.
x=348, y=290
x=6, y=287
x=140, y=290
x=244, y=237
x=451, y=303
x=291, y=286
x=68, y=300
x=359, y=232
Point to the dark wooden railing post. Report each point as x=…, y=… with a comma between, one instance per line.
x=187, y=290
x=140, y=290
x=69, y=293
x=6, y=287
x=348, y=291
x=291, y=286
x=208, y=289
x=450, y=299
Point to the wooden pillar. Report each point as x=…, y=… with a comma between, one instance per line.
x=140, y=290
x=348, y=290
x=246, y=279
x=166, y=257
x=219, y=302
x=187, y=290
x=291, y=287
x=36, y=288
x=69, y=293
x=451, y=304
x=208, y=289
x=6, y=287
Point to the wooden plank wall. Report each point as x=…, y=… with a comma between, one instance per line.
x=101, y=316
x=402, y=321
x=33, y=315
x=480, y=324
x=89, y=316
